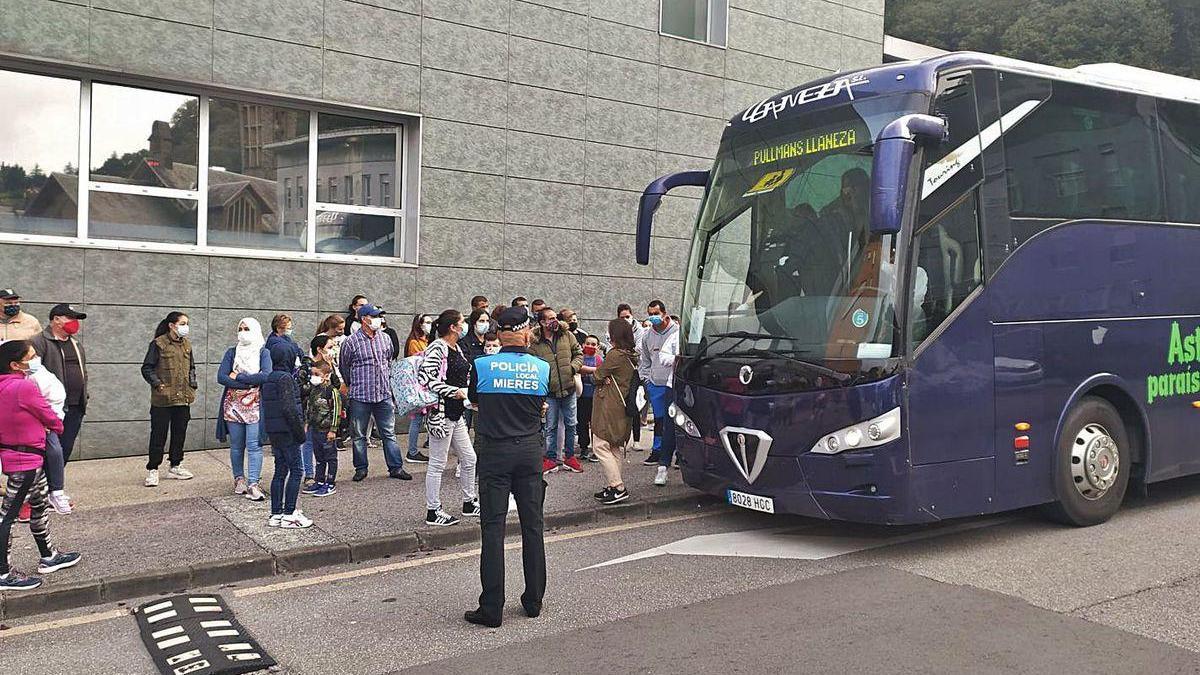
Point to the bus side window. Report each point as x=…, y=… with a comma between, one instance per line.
x=1179, y=131
x=947, y=257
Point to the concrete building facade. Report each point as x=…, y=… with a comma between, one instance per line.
x=493, y=147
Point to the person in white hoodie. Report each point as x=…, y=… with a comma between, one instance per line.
x=56, y=395
x=656, y=366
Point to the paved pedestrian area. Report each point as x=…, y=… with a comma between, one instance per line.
x=182, y=534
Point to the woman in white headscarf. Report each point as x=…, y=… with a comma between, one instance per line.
x=242, y=372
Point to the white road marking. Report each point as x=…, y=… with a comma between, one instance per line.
x=793, y=543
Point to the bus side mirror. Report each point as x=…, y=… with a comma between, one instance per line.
x=652, y=197
x=890, y=166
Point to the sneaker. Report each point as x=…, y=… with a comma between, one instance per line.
x=572, y=464
x=180, y=473
x=152, y=478
x=651, y=459
x=418, y=458
x=24, y=513
x=255, y=493
x=60, y=502
x=58, y=561
x=320, y=490
x=296, y=521
x=439, y=518
x=615, y=496
x=15, y=581
x=311, y=488
x=399, y=474
x=592, y=457
x=471, y=508
x=239, y=485
x=602, y=494
x=549, y=466
x=660, y=476
x=359, y=474
x=275, y=520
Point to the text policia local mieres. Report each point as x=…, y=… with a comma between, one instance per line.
x=514, y=375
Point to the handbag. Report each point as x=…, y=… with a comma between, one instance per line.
x=407, y=391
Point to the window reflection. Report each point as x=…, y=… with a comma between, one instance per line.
x=113, y=215
x=357, y=234
x=39, y=148
x=144, y=137
x=351, y=146
x=258, y=154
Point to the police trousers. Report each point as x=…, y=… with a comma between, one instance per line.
x=511, y=466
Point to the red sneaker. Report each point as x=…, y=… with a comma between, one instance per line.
x=25, y=513
x=549, y=466
x=573, y=464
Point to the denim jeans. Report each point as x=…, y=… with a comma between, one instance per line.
x=306, y=456
x=414, y=430
x=661, y=398
x=385, y=421
x=55, y=462
x=325, y=453
x=561, y=407
x=285, y=485
x=243, y=440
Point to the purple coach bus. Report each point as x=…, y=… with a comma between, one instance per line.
x=944, y=288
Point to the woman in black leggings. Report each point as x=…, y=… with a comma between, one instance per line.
x=27, y=416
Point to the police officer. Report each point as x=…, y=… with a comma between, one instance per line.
x=509, y=389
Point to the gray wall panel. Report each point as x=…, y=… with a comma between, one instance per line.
x=259, y=63
x=481, y=13
x=462, y=243
x=551, y=66
x=618, y=39
x=542, y=249
x=545, y=111
x=470, y=147
x=163, y=280
x=535, y=202
x=464, y=98
x=548, y=24
x=619, y=123
x=150, y=46
x=371, y=31
x=698, y=58
x=463, y=49
x=544, y=157
x=367, y=81
x=50, y=29
x=196, y=12
x=297, y=21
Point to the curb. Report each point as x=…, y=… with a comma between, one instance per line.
x=58, y=597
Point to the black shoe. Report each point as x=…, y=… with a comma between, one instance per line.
x=399, y=474
x=615, y=496
x=532, y=611
x=418, y=458
x=651, y=459
x=593, y=458
x=601, y=495
x=478, y=618
x=359, y=474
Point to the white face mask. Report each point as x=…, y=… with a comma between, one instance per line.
x=182, y=331
x=35, y=364
x=245, y=338
x=426, y=328
x=375, y=322
x=491, y=350
x=316, y=379
x=481, y=327
x=629, y=320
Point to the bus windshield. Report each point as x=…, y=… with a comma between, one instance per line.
x=782, y=259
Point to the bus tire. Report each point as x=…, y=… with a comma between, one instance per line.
x=1092, y=464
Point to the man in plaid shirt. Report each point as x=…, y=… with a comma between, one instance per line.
x=364, y=363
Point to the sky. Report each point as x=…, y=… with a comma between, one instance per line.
x=39, y=120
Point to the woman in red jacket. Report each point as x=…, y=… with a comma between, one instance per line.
x=27, y=416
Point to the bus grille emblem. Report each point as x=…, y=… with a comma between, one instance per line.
x=745, y=375
x=747, y=449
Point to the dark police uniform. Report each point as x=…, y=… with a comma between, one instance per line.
x=508, y=389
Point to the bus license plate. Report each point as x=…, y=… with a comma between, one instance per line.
x=752, y=502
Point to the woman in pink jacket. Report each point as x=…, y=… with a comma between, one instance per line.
x=27, y=416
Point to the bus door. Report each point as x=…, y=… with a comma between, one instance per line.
x=950, y=379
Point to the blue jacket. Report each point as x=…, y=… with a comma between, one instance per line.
x=244, y=381
x=281, y=345
x=281, y=411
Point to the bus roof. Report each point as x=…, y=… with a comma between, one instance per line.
x=922, y=74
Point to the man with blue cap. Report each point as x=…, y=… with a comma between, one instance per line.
x=364, y=363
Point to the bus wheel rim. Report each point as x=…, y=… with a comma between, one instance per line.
x=1095, y=461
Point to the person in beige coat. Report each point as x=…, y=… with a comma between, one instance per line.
x=611, y=426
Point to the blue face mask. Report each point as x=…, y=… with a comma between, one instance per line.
x=655, y=320
x=462, y=332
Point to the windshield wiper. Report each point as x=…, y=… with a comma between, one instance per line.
x=741, y=336
x=814, y=368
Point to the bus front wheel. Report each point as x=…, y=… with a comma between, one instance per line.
x=1092, y=465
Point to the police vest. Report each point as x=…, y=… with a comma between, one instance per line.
x=512, y=373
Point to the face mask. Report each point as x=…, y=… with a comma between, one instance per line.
x=376, y=323
x=481, y=327
x=244, y=337
x=316, y=380
x=33, y=365
x=573, y=325
x=655, y=320
x=12, y=310
x=462, y=331
x=552, y=325
x=491, y=350
x=629, y=320
x=182, y=331
x=590, y=350
x=71, y=327
x=426, y=328
x=289, y=332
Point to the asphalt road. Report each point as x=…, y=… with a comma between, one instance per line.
x=729, y=592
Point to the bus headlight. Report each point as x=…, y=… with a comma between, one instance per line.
x=683, y=421
x=882, y=429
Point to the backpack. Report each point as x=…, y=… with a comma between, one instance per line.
x=408, y=393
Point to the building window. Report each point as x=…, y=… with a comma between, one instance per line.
x=698, y=20
x=385, y=189
x=191, y=171
x=39, y=174
x=349, y=146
